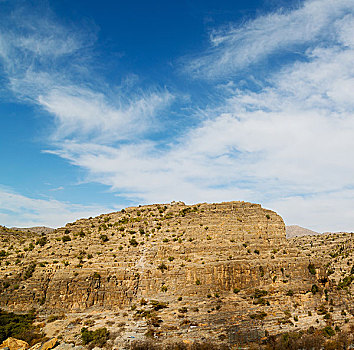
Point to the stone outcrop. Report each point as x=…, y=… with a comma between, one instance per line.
x=14, y=344
x=202, y=270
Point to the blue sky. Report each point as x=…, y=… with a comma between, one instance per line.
x=110, y=104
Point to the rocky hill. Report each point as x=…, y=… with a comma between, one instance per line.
x=223, y=272
x=298, y=231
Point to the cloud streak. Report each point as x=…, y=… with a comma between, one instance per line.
x=22, y=211
x=84, y=113
x=237, y=47
x=51, y=66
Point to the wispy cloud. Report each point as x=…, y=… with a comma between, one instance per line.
x=51, y=65
x=21, y=211
x=235, y=48
x=85, y=113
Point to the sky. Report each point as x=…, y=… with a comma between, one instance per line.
x=110, y=104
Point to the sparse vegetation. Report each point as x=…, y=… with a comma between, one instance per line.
x=94, y=338
x=28, y=273
x=312, y=269
x=19, y=327
x=162, y=267
x=66, y=238
x=260, y=315
x=231, y=269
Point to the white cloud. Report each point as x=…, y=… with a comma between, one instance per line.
x=82, y=112
x=21, y=211
x=143, y=173
x=345, y=30
x=48, y=64
x=236, y=47
x=323, y=212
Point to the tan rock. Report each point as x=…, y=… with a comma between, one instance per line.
x=49, y=344
x=35, y=346
x=14, y=344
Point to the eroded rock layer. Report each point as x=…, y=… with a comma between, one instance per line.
x=206, y=266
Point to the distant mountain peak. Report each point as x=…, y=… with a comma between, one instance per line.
x=298, y=231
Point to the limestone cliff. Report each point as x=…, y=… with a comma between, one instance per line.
x=230, y=261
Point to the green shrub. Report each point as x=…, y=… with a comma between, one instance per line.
x=19, y=327
x=55, y=317
x=259, y=293
x=42, y=241
x=66, y=238
x=259, y=315
x=29, y=271
x=328, y=331
x=314, y=289
x=162, y=267
x=260, y=301
x=133, y=242
x=104, y=238
x=290, y=293
x=261, y=270
x=347, y=280
x=312, y=269
x=158, y=305
x=96, y=275
x=95, y=338
x=183, y=310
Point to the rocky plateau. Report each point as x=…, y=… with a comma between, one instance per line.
x=221, y=272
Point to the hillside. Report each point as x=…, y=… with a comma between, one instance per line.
x=219, y=272
x=298, y=231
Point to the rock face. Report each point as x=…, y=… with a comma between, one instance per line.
x=206, y=269
x=138, y=241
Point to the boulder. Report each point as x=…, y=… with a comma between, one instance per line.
x=49, y=344
x=14, y=344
